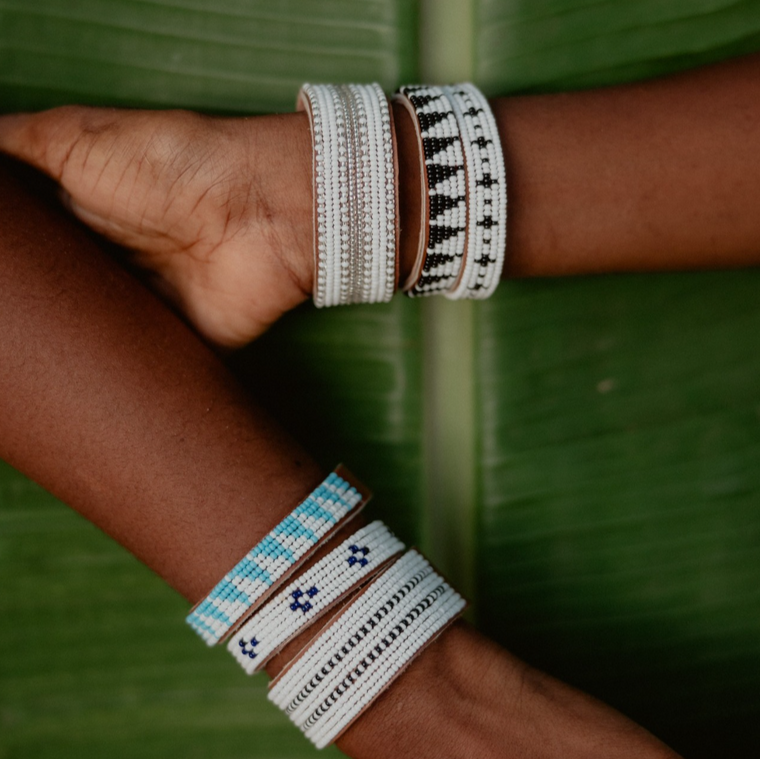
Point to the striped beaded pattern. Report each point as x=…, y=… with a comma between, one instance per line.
x=487, y=193
x=312, y=594
x=354, y=659
x=271, y=559
x=445, y=189
x=354, y=192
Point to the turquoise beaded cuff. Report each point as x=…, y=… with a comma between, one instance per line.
x=246, y=585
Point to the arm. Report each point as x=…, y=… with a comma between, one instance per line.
x=655, y=176
x=110, y=402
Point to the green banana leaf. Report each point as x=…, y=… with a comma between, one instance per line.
x=99, y=663
x=618, y=438
x=594, y=487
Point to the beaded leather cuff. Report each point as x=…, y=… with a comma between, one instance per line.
x=312, y=594
x=269, y=561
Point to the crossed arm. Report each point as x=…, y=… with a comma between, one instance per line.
x=654, y=176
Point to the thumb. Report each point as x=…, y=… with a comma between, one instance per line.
x=97, y=156
x=53, y=140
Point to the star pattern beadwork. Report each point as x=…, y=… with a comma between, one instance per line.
x=251, y=654
x=298, y=594
x=355, y=558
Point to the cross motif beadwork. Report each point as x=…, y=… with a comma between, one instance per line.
x=253, y=643
x=355, y=558
x=298, y=594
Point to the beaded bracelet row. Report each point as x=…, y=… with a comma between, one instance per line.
x=442, y=243
x=464, y=192
x=365, y=647
x=486, y=192
x=418, y=628
x=464, y=205
x=248, y=583
x=312, y=594
x=354, y=193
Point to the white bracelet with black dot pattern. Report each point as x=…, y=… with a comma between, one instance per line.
x=354, y=193
x=354, y=659
x=373, y=675
x=312, y=594
x=443, y=236
x=486, y=192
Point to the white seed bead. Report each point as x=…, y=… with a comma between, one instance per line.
x=365, y=647
x=354, y=188
x=347, y=566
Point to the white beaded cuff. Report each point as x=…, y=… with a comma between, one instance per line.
x=312, y=594
x=270, y=560
x=365, y=648
x=486, y=191
x=354, y=193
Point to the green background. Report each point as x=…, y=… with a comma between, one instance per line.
x=580, y=455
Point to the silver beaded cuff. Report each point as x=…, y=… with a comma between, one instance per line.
x=354, y=193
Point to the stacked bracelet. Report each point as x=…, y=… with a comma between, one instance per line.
x=270, y=560
x=354, y=193
x=312, y=594
x=464, y=177
x=368, y=645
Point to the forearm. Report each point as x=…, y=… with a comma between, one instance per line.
x=659, y=175
x=655, y=176
x=111, y=403
x=115, y=406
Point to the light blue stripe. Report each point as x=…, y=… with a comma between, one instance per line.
x=207, y=609
x=200, y=626
x=274, y=549
x=249, y=569
x=291, y=526
x=228, y=592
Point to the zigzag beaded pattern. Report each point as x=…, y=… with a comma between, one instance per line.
x=269, y=560
x=367, y=646
x=487, y=193
x=445, y=189
x=311, y=594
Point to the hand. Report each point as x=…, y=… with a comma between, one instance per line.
x=219, y=211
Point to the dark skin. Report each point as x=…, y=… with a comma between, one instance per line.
x=656, y=176
x=118, y=408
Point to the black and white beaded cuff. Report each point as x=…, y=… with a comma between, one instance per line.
x=486, y=194
x=442, y=242
x=463, y=240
